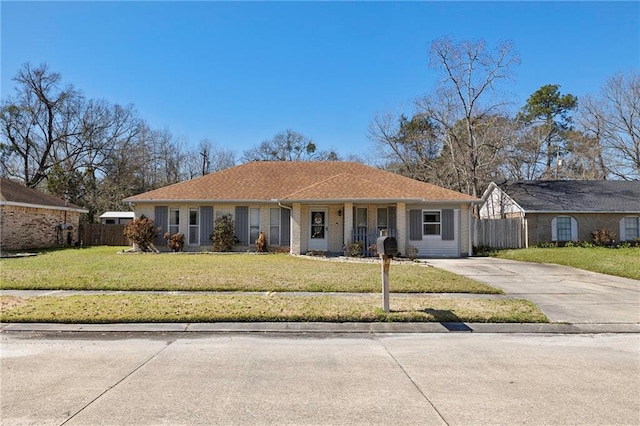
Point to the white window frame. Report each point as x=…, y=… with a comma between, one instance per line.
x=274, y=226
x=174, y=226
x=426, y=223
x=554, y=229
x=379, y=225
x=254, y=224
x=362, y=227
x=194, y=227
x=625, y=235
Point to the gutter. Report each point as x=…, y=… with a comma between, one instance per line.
x=42, y=206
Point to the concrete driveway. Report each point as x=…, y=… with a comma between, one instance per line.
x=563, y=293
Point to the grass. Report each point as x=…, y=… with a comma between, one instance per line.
x=622, y=262
x=272, y=307
x=102, y=268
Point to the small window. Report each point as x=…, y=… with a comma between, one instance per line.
x=254, y=225
x=563, y=225
x=431, y=223
x=194, y=226
x=383, y=220
x=274, y=226
x=631, y=228
x=174, y=221
x=361, y=219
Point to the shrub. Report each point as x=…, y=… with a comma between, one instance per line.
x=603, y=237
x=175, y=242
x=354, y=249
x=141, y=232
x=223, y=235
x=261, y=243
x=412, y=253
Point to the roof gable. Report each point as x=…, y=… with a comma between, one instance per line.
x=300, y=181
x=16, y=193
x=576, y=195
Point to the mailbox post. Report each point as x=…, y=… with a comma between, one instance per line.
x=387, y=248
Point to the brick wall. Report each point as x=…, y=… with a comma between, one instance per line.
x=28, y=228
x=539, y=225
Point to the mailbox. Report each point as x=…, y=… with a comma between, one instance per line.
x=387, y=246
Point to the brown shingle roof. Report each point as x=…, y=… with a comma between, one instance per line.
x=14, y=192
x=301, y=181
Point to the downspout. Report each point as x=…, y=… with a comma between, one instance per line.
x=471, y=232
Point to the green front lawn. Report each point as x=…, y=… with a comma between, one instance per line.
x=136, y=308
x=622, y=262
x=102, y=268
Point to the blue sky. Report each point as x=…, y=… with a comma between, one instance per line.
x=237, y=73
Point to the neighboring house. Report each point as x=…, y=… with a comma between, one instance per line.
x=313, y=206
x=559, y=211
x=32, y=219
x=116, y=218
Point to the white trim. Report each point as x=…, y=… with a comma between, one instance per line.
x=42, y=206
x=307, y=201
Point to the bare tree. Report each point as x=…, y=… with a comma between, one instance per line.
x=614, y=119
x=465, y=101
x=39, y=124
x=288, y=146
x=407, y=146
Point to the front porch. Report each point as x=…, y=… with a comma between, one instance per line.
x=331, y=228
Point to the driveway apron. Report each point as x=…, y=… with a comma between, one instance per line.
x=563, y=293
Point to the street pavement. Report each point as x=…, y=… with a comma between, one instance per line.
x=378, y=379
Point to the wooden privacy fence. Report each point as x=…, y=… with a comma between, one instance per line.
x=499, y=233
x=97, y=234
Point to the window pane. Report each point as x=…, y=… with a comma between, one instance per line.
x=382, y=218
x=174, y=217
x=274, y=217
x=564, y=228
x=361, y=218
x=193, y=235
x=254, y=217
x=274, y=228
x=431, y=217
x=193, y=217
x=431, y=229
x=631, y=227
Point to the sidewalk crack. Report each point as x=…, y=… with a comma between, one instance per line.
x=406, y=373
x=126, y=376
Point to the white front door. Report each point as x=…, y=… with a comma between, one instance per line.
x=318, y=229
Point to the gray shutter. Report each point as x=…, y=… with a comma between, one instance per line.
x=285, y=227
x=206, y=225
x=161, y=220
x=415, y=225
x=392, y=226
x=242, y=225
x=447, y=225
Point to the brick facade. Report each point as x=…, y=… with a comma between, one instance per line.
x=539, y=225
x=34, y=227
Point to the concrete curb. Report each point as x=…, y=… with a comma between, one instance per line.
x=323, y=328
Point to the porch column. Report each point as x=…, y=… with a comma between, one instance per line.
x=401, y=219
x=296, y=228
x=348, y=222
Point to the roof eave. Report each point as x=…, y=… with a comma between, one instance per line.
x=44, y=206
x=582, y=211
